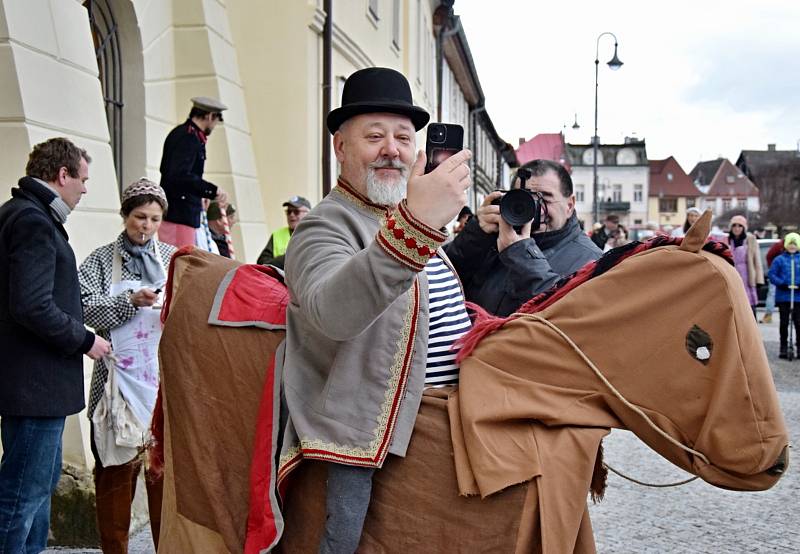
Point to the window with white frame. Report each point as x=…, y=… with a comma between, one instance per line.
x=580, y=193
x=638, y=193
x=616, y=194
x=727, y=204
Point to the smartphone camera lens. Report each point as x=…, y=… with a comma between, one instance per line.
x=437, y=133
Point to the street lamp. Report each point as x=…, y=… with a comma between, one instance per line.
x=614, y=64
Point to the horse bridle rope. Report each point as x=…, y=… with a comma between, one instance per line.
x=625, y=401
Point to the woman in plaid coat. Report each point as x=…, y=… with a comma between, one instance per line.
x=113, y=294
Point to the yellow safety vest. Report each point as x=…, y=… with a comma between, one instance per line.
x=280, y=240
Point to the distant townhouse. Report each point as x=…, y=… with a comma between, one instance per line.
x=671, y=193
x=723, y=187
x=623, y=175
x=776, y=173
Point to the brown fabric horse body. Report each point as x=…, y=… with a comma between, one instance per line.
x=671, y=330
x=505, y=463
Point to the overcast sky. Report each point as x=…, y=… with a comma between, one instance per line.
x=701, y=78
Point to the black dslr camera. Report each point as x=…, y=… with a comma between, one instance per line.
x=519, y=206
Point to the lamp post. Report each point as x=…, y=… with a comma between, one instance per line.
x=614, y=64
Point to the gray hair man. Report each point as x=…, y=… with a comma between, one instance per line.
x=357, y=270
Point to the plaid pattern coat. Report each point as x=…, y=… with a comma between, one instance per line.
x=103, y=311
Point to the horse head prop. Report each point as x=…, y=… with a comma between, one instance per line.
x=657, y=338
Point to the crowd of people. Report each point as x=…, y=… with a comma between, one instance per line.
x=373, y=275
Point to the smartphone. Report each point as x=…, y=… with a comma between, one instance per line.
x=444, y=140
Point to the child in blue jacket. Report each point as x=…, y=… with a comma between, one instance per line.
x=784, y=273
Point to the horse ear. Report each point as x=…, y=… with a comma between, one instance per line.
x=697, y=234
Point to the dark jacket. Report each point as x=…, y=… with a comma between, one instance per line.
x=600, y=237
x=780, y=275
x=182, y=164
x=222, y=244
x=41, y=320
x=502, y=282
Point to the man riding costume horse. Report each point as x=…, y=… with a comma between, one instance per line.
x=505, y=461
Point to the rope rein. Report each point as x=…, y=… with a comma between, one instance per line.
x=654, y=485
x=613, y=389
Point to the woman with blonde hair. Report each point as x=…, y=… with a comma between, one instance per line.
x=746, y=257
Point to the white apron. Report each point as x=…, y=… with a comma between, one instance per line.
x=135, y=344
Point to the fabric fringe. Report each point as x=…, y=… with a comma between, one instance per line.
x=599, y=476
x=155, y=449
x=483, y=324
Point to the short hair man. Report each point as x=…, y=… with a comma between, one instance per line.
x=601, y=236
x=357, y=269
x=501, y=268
x=217, y=228
x=182, y=165
x=42, y=338
x=274, y=252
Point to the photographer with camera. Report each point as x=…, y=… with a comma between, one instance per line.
x=503, y=264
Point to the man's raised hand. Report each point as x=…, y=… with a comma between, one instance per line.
x=436, y=198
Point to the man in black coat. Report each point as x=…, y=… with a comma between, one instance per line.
x=42, y=338
x=182, y=165
x=501, y=268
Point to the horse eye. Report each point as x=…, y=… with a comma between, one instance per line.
x=699, y=344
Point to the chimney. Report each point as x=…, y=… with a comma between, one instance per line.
x=770, y=148
x=522, y=141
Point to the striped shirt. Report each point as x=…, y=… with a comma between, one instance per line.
x=448, y=322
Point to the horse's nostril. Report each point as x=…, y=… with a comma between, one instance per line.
x=781, y=463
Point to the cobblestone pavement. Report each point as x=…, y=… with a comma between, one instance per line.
x=694, y=518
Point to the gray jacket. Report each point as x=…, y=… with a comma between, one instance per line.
x=501, y=282
x=357, y=323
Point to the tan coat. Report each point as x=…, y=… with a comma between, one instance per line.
x=755, y=271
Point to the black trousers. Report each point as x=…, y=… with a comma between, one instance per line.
x=783, y=309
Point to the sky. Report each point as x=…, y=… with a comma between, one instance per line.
x=701, y=79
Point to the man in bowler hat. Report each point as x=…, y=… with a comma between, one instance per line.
x=182, y=164
x=359, y=325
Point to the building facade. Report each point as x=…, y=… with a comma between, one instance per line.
x=461, y=101
x=724, y=187
x=623, y=176
x=116, y=75
x=671, y=193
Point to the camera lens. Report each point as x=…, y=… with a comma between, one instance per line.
x=437, y=133
x=518, y=206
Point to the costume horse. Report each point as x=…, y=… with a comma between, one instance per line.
x=505, y=462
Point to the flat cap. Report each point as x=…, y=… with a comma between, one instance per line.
x=208, y=104
x=297, y=202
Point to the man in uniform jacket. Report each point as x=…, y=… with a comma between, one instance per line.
x=502, y=269
x=182, y=165
x=42, y=337
x=357, y=355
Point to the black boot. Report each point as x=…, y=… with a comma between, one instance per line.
x=783, y=355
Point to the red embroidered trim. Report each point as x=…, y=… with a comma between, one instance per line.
x=408, y=240
x=383, y=448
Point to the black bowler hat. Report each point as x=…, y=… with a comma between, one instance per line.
x=373, y=90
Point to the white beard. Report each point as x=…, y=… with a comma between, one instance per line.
x=387, y=193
